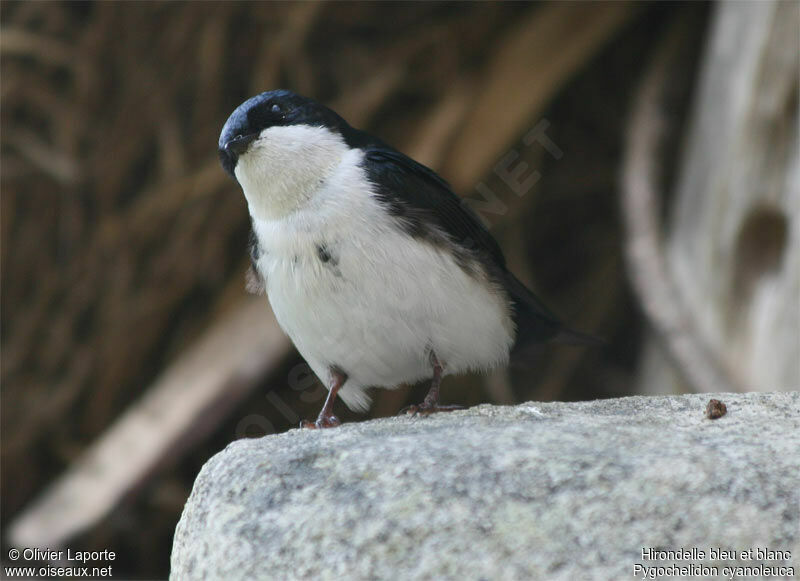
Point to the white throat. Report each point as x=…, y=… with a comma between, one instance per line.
x=283, y=169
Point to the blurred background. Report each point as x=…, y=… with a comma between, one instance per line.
x=638, y=164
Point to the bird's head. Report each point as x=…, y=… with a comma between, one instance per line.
x=280, y=147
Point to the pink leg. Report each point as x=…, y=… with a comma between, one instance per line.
x=326, y=419
x=430, y=404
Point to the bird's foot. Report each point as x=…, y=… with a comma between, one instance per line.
x=322, y=422
x=426, y=409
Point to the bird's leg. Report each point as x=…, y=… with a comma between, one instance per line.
x=326, y=419
x=431, y=403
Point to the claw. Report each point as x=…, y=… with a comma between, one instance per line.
x=322, y=422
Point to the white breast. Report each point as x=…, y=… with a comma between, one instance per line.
x=382, y=299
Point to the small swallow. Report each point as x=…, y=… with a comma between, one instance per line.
x=376, y=270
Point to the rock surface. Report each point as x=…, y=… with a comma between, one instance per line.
x=540, y=490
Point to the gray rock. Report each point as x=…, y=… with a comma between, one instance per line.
x=540, y=490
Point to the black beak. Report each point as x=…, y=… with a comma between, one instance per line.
x=239, y=144
x=230, y=152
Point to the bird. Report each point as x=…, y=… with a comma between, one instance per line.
x=378, y=272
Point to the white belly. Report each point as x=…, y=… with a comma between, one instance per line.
x=380, y=303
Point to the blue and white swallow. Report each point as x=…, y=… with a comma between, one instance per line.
x=376, y=270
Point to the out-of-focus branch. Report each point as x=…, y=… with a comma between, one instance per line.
x=661, y=300
x=537, y=57
x=186, y=402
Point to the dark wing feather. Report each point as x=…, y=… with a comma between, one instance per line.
x=410, y=189
x=413, y=191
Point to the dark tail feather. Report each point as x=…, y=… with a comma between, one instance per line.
x=537, y=324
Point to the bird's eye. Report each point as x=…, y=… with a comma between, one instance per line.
x=276, y=110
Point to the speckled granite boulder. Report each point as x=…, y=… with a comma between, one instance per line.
x=540, y=490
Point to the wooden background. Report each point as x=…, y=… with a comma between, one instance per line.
x=130, y=350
